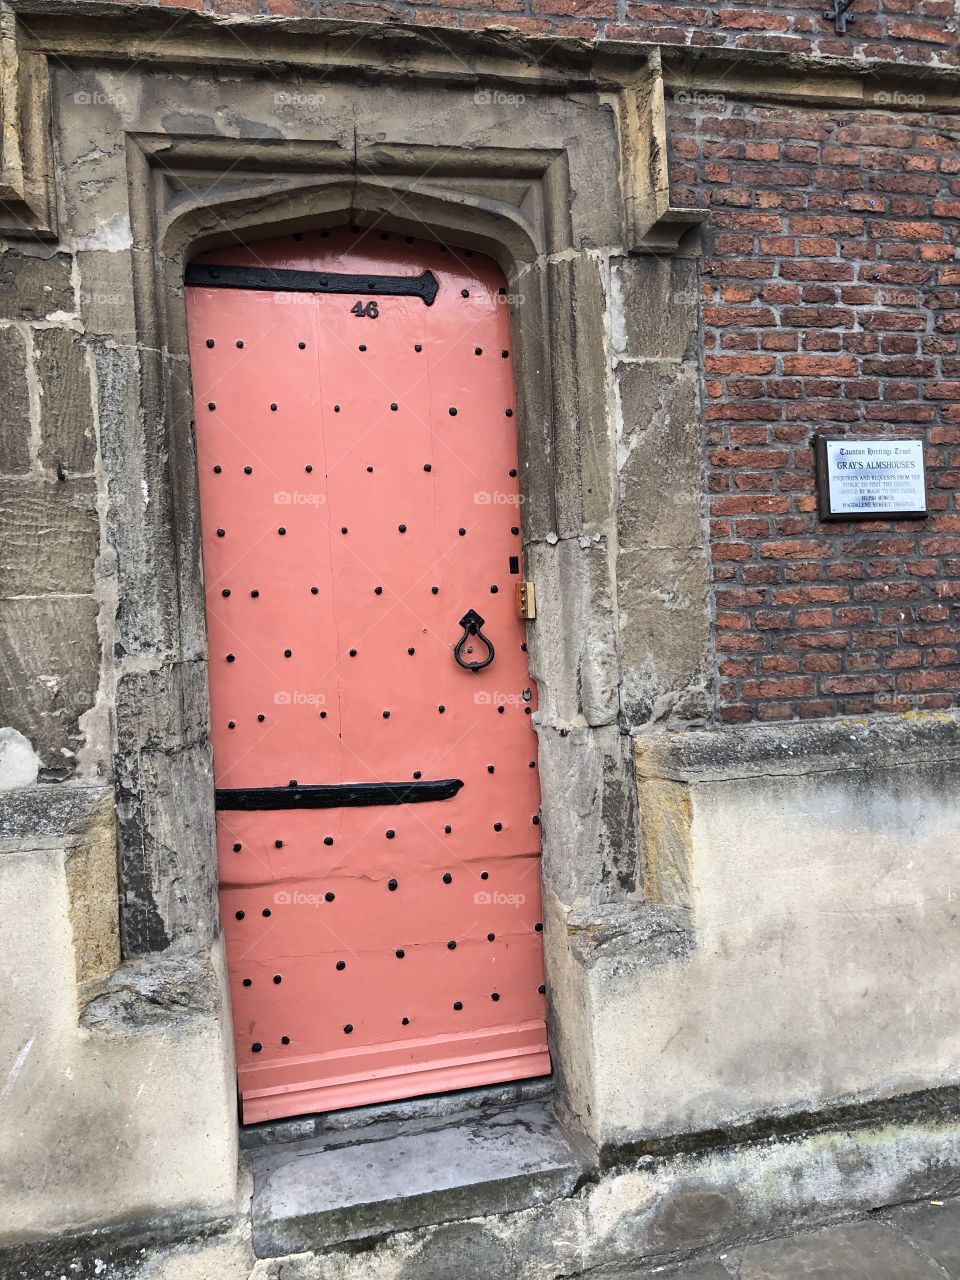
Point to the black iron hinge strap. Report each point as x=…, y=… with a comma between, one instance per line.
x=333, y=796
x=284, y=280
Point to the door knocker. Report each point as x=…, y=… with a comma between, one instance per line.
x=471, y=623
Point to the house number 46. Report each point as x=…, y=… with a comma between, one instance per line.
x=371, y=310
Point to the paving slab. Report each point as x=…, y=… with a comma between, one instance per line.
x=854, y=1251
x=934, y=1230
x=310, y=1195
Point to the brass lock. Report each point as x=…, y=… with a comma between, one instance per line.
x=526, y=594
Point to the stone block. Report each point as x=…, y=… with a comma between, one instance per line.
x=66, y=408
x=853, y=1251
x=49, y=536
x=655, y=311
x=479, y=1165
x=34, y=285
x=14, y=404
x=49, y=671
x=934, y=1229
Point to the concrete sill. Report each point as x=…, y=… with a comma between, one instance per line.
x=318, y=1193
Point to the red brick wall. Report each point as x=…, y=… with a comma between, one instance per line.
x=830, y=301
x=908, y=30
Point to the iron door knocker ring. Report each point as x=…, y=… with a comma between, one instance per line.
x=471, y=623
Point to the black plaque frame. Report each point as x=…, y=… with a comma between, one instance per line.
x=823, y=482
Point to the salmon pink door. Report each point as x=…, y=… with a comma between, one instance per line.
x=375, y=762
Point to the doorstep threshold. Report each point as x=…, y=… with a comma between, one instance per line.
x=314, y=1195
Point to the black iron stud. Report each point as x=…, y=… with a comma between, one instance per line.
x=378, y=591
x=494, y=589
x=402, y=528
x=508, y=413
x=231, y=724
x=411, y=652
x=225, y=592
x=308, y=468
x=491, y=937
x=434, y=591
x=248, y=471
x=231, y=657
x=504, y=354
x=447, y=878
x=353, y=653
x=452, y=411
x=217, y=469
x=494, y=996
x=489, y=768
x=273, y=408
x=329, y=897
x=386, y=715
x=248, y=982
x=451, y=946
x=266, y=912
x=314, y=591
x=512, y=471
x=281, y=531
x=277, y=979
x=239, y=915
x=532, y=764
x=221, y=533
x=462, y=533
x=405, y=1022
x=417, y=346
x=343, y=529
x=261, y=717
x=417, y=773
x=427, y=466
x=323, y=715
x=348, y=1028
x=500, y=710
x=211, y=405
x=447, y=830
x=341, y=965
x=336, y=408
x=256, y=1046
x=363, y=346
x=237, y=847
x=535, y=820
x=538, y=927
x=393, y=408
x=390, y=833
x=278, y=844
x=240, y=342
x=484, y=875
x=458, y=1005
x=284, y=1039
x=478, y=351
x=464, y=293
x=498, y=826
x=302, y=346
x=288, y=653
x=210, y=342
x=441, y=708
x=328, y=840
x=514, y=529
x=391, y=885
x=255, y=593
x=369, y=469
x=400, y=953
x=541, y=989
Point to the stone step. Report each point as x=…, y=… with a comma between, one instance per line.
x=314, y=1194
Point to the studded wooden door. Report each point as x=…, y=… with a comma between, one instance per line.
x=377, y=801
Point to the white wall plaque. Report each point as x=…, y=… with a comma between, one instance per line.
x=870, y=479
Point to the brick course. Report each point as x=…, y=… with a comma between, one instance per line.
x=830, y=297
x=916, y=31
